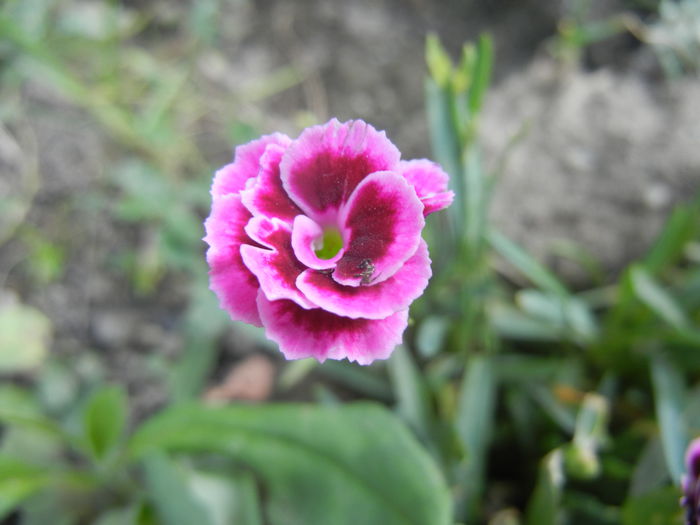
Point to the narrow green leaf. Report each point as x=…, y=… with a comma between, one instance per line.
x=524, y=262
x=669, y=398
x=173, y=499
x=104, y=418
x=438, y=61
x=410, y=391
x=656, y=298
x=354, y=463
x=590, y=433
x=482, y=73
x=474, y=424
x=681, y=228
x=430, y=335
x=476, y=198
x=443, y=135
x=544, y=505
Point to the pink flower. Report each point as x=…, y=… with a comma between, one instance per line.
x=691, y=484
x=318, y=239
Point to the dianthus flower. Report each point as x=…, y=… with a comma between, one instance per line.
x=691, y=484
x=318, y=239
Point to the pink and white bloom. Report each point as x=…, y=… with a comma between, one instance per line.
x=318, y=239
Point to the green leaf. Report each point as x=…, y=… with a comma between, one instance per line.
x=411, y=392
x=173, y=499
x=342, y=465
x=228, y=499
x=104, y=418
x=524, y=262
x=590, y=433
x=439, y=63
x=430, y=335
x=656, y=298
x=543, y=507
x=18, y=481
x=482, y=73
x=681, y=228
x=669, y=397
x=474, y=423
x=123, y=516
x=659, y=507
x=24, y=338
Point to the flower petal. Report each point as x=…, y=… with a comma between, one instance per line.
x=246, y=164
x=276, y=268
x=382, y=222
x=304, y=233
x=370, y=302
x=232, y=282
x=325, y=164
x=430, y=183
x=316, y=333
x=266, y=196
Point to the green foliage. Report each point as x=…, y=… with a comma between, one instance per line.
x=204, y=465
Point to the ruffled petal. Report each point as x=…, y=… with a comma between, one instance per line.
x=305, y=232
x=266, y=196
x=430, y=183
x=230, y=279
x=381, y=222
x=276, y=268
x=246, y=164
x=316, y=333
x=370, y=302
x=325, y=164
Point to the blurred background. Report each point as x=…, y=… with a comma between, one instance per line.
x=115, y=114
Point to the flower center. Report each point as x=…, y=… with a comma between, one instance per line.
x=328, y=244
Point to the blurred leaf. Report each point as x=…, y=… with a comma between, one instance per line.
x=24, y=338
x=228, y=499
x=590, y=434
x=650, y=472
x=511, y=323
x=359, y=379
x=656, y=298
x=27, y=433
x=204, y=20
x=474, y=424
x=438, y=61
x=173, y=499
x=669, y=398
x=524, y=262
x=681, y=228
x=104, y=419
x=31, y=17
x=430, y=335
x=203, y=324
x=659, y=507
x=569, y=314
x=561, y=414
x=482, y=73
x=410, y=391
x=123, y=516
x=18, y=481
x=354, y=463
x=475, y=198
x=296, y=371
x=544, y=505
